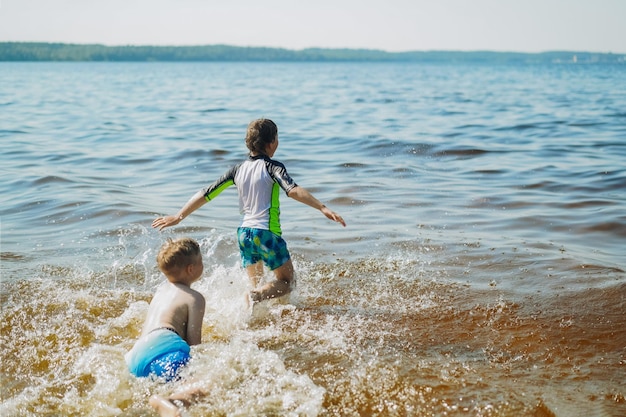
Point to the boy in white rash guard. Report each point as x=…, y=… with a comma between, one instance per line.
x=258, y=180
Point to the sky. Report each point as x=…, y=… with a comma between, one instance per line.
x=390, y=25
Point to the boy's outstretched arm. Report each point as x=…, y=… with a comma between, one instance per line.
x=304, y=196
x=192, y=205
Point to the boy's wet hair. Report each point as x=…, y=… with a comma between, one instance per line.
x=260, y=133
x=178, y=253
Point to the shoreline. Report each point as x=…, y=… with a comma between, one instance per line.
x=69, y=52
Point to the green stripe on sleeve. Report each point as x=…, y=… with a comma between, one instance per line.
x=217, y=190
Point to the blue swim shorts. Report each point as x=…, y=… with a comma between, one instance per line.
x=257, y=245
x=162, y=353
x=169, y=365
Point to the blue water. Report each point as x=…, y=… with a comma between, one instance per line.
x=503, y=182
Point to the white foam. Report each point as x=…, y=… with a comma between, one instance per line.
x=240, y=378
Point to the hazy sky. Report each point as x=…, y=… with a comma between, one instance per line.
x=392, y=25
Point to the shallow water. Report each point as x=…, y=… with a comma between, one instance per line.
x=481, y=272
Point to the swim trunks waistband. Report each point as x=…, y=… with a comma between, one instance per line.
x=171, y=329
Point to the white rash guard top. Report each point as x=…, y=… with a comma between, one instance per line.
x=258, y=180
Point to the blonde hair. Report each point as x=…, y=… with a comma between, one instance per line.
x=177, y=254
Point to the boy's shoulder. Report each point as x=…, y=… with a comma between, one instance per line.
x=179, y=288
x=196, y=293
x=186, y=288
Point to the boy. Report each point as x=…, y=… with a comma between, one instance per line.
x=174, y=320
x=258, y=180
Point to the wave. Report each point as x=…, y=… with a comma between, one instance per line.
x=213, y=110
x=460, y=152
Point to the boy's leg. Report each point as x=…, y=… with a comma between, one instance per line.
x=285, y=272
x=278, y=287
x=255, y=273
x=257, y=244
x=164, y=407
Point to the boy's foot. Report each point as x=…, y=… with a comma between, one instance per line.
x=255, y=296
x=164, y=407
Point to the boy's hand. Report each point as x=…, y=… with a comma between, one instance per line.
x=166, y=221
x=332, y=215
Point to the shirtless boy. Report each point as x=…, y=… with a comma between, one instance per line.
x=174, y=320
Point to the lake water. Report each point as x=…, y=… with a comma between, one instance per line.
x=482, y=271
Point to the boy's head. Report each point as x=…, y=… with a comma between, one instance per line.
x=261, y=132
x=180, y=260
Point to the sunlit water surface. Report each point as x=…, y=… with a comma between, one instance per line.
x=481, y=272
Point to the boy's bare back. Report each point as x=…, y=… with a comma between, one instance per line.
x=178, y=307
x=175, y=305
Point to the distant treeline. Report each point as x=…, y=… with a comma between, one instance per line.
x=34, y=51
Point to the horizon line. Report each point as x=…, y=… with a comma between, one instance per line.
x=312, y=48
